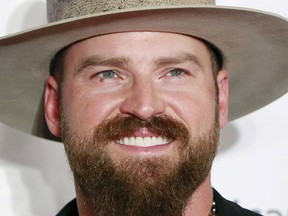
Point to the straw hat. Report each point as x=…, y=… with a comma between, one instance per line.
x=254, y=42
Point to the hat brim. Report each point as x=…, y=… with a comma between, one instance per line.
x=254, y=42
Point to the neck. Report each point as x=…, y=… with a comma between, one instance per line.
x=201, y=201
x=199, y=204
x=84, y=207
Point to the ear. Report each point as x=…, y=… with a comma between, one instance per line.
x=51, y=107
x=222, y=81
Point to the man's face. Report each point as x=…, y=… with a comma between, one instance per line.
x=145, y=105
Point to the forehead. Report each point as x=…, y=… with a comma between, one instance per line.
x=136, y=43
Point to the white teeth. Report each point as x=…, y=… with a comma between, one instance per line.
x=132, y=141
x=147, y=141
x=154, y=140
x=143, y=141
x=159, y=140
x=126, y=140
x=138, y=141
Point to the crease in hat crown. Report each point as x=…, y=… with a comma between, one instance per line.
x=64, y=9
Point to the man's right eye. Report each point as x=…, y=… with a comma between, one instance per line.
x=108, y=74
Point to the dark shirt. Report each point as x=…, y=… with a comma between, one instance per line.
x=227, y=208
x=223, y=208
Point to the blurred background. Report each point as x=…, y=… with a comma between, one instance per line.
x=250, y=169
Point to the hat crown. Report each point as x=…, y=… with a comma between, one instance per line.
x=63, y=9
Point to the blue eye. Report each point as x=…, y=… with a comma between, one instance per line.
x=175, y=72
x=109, y=74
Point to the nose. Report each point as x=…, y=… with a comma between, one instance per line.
x=143, y=101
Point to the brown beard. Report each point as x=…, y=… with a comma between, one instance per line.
x=139, y=186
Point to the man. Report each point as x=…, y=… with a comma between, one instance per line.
x=138, y=97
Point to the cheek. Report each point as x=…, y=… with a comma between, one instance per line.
x=195, y=107
x=85, y=110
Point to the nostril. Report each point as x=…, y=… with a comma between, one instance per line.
x=143, y=107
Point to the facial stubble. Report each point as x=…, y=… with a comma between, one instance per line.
x=139, y=186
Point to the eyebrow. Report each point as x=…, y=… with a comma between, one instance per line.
x=96, y=60
x=178, y=59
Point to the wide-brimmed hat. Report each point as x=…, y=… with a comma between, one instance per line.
x=254, y=42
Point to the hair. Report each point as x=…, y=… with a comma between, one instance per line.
x=216, y=56
x=56, y=67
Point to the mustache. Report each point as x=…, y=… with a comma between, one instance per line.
x=125, y=126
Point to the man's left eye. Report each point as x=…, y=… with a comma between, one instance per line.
x=175, y=72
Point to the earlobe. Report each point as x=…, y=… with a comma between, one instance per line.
x=222, y=81
x=51, y=106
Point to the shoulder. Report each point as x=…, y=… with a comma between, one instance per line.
x=227, y=208
x=70, y=209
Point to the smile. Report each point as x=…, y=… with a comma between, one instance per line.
x=143, y=141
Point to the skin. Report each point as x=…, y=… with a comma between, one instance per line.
x=146, y=84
